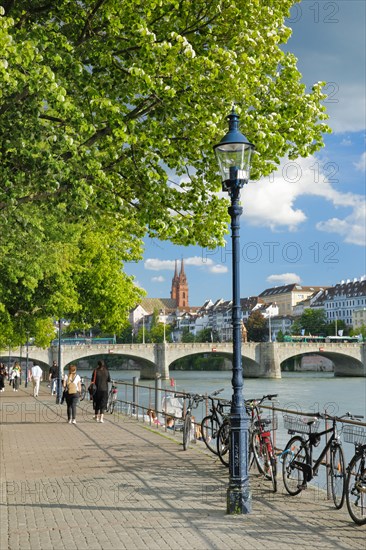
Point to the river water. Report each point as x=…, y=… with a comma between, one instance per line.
x=307, y=392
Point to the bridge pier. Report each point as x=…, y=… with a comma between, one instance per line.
x=269, y=361
x=161, y=361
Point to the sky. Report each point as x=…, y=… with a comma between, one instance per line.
x=305, y=223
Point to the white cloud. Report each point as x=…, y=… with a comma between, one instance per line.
x=154, y=264
x=284, y=279
x=272, y=199
x=346, y=142
x=159, y=279
x=361, y=164
x=207, y=264
x=218, y=268
x=352, y=228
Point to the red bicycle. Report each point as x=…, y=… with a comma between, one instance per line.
x=261, y=449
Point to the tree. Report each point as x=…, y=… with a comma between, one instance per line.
x=204, y=335
x=359, y=330
x=333, y=327
x=187, y=336
x=103, y=109
x=313, y=321
x=256, y=327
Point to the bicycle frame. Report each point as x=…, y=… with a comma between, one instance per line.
x=311, y=469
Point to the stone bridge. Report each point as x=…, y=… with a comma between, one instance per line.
x=260, y=360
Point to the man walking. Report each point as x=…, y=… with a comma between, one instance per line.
x=37, y=375
x=52, y=378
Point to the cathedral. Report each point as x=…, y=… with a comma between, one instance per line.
x=179, y=291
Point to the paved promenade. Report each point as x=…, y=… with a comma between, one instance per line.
x=123, y=485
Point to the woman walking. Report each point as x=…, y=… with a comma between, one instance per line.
x=100, y=398
x=15, y=375
x=73, y=385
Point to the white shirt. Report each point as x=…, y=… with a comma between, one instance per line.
x=37, y=371
x=76, y=380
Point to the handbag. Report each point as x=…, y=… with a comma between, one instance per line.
x=65, y=393
x=93, y=388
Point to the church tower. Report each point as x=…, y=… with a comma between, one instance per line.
x=173, y=292
x=179, y=291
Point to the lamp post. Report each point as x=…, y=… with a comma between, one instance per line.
x=59, y=377
x=27, y=362
x=233, y=154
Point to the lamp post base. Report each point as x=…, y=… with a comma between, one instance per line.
x=239, y=499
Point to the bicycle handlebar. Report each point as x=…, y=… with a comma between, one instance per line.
x=259, y=400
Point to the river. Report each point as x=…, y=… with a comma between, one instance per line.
x=308, y=391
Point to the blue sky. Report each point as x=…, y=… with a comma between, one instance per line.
x=306, y=223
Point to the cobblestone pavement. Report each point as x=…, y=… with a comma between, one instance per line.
x=124, y=485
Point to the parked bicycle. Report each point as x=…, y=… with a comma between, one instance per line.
x=261, y=448
x=193, y=401
x=298, y=466
x=83, y=390
x=211, y=423
x=356, y=474
x=112, y=398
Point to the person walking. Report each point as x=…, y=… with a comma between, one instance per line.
x=72, y=384
x=100, y=398
x=37, y=377
x=15, y=375
x=52, y=378
x=2, y=376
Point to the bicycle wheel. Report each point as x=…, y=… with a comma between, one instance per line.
x=82, y=392
x=258, y=448
x=112, y=404
x=109, y=402
x=356, y=489
x=223, y=443
x=210, y=429
x=294, y=455
x=187, y=426
x=270, y=467
x=337, y=475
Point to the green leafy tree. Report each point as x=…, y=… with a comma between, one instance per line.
x=359, y=330
x=313, y=321
x=187, y=336
x=256, y=327
x=280, y=336
x=333, y=328
x=296, y=327
x=103, y=108
x=204, y=335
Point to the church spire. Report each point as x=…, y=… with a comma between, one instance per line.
x=182, y=275
x=175, y=282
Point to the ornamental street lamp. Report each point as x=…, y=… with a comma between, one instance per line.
x=233, y=154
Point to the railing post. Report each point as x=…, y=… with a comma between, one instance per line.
x=135, y=393
x=157, y=400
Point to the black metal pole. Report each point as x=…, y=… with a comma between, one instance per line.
x=27, y=362
x=238, y=494
x=59, y=376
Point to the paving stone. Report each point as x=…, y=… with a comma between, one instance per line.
x=123, y=485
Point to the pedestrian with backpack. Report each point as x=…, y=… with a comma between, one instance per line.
x=72, y=386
